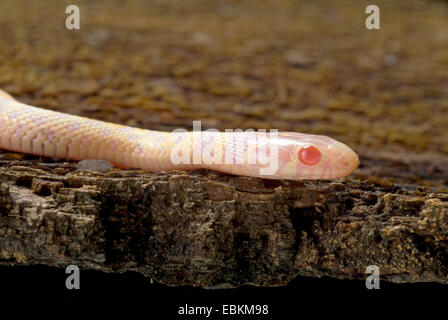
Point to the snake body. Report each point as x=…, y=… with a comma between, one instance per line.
x=286, y=155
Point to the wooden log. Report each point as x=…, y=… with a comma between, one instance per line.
x=212, y=230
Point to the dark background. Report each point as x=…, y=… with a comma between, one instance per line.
x=302, y=297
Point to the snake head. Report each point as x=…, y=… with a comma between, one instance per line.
x=306, y=156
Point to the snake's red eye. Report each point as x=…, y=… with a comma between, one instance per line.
x=309, y=155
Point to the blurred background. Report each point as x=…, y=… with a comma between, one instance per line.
x=290, y=65
x=305, y=66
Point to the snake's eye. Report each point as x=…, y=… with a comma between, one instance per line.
x=309, y=155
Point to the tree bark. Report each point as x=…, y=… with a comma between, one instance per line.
x=213, y=230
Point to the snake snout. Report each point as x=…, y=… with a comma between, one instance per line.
x=347, y=161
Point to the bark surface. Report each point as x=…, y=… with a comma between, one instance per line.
x=213, y=230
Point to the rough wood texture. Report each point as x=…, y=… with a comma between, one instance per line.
x=207, y=229
x=290, y=65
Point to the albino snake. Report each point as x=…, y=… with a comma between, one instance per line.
x=285, y=155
